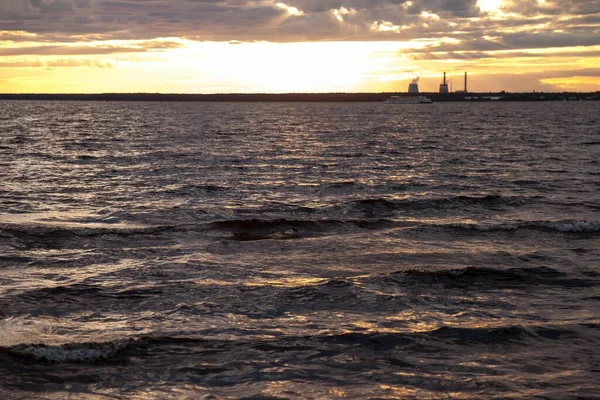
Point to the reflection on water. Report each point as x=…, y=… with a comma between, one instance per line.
x=153, y=250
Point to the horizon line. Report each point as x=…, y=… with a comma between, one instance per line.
x=282, y=93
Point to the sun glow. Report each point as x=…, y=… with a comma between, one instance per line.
x=291, y=67
x=490, y=6
x=176, y=65
x=185, y=66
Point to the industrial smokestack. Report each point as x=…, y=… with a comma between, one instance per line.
x=414, y=86
x=466, y=82
x=444, y=85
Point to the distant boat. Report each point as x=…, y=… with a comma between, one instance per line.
x=408, y=100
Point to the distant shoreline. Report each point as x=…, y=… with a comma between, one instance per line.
x=304, y=97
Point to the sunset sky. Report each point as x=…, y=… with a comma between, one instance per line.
x=247, y=46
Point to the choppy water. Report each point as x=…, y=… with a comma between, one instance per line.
x=291, y=251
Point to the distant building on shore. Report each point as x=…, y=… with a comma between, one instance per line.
x=413, y=87
x=465, y=91
x=444, y=86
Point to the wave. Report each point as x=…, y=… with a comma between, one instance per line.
x=252, y=229
x=187, y=190
x=477, y=276
x=566, y=226
x=84, y=229
x=261, y=229
x=388, y=340
x=93, y=352
x=453, y=335
x=71, y=352
x=9, y=259
x=572, y=226
x=382, y=204
x=342, y=292
x=373, y=289
x=256, y=229
x=76, y=292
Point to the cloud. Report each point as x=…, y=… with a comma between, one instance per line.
x=518, y=25
x=88, y=49
x=53, y=6
x=56, y=63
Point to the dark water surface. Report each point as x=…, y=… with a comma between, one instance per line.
x=291, y=251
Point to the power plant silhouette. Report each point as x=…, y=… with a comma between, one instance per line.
x=413, y=87
x=444, y=86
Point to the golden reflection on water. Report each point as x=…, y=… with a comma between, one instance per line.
x=369, y=326
x=339, y=392
x=405, y=392
x=288, y=282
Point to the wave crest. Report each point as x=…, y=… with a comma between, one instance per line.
x=477, y=276
x=71, y=352
x=82, y=230
x=382, y=205
x=566, y=226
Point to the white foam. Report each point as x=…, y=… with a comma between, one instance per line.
x=79, y=229
x=573, y=226
x=20, y=333
x=81, y=224
x=84, y=352
x=485, y=227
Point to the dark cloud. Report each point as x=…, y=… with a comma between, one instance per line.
x=566, y=22
x=450, y=8
x=53, y=6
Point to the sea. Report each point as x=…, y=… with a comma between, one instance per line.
x=265, y=251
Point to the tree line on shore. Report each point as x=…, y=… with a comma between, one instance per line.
x=303, y=97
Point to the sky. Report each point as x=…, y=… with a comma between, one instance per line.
x=275, y=46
